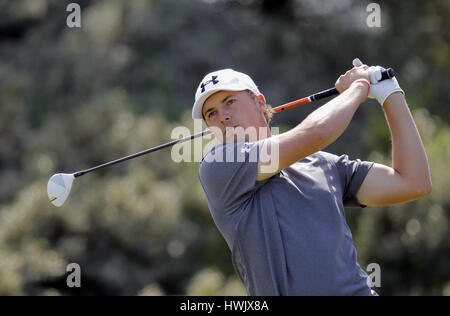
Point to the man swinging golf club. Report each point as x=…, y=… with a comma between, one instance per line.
x=286, y=227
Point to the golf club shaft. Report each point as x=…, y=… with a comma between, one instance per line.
x=181, y=140
x=386, y=74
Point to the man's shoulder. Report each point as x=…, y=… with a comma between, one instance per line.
x=325, y=155
x=320, y=156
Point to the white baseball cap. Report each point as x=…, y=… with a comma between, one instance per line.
x=221, y=80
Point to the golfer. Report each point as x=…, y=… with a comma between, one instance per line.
x=285, y=225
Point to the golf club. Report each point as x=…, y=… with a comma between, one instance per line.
x=60, y=184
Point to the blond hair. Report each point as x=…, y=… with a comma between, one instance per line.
x=268, y=113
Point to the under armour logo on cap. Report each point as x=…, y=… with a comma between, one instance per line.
x=213, y=81
x=230, y=80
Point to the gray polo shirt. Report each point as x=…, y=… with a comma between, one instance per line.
x=287, y=234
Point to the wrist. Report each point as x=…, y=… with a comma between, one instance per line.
x=393, y=98
x=364, y=85
x=383, y=89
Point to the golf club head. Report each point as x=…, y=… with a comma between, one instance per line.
x=58, y=188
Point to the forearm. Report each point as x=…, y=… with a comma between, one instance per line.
x=334, y=117
x=408, y=154
x=314, y=133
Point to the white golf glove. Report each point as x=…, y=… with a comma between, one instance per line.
x=379, y=90
x=375, y=74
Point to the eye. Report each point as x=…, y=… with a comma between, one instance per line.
x=211, y=113
x=231, y=101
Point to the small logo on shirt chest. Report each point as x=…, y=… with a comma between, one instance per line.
x=246, y=148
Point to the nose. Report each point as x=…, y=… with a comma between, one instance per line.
x=224, y=117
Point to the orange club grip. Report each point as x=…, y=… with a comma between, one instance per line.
x=291, y=105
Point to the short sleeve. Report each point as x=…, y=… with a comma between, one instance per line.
x=228, y=174
x=352, y=174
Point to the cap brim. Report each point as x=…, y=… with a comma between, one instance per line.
x=198, y=105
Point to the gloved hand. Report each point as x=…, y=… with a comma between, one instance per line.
x=383, y=89
x=379, y=90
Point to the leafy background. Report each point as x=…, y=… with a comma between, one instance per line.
x=71, y=98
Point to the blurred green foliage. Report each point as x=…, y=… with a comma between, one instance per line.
x=74, y=98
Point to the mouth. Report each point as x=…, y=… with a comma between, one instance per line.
x=232, y=126
x=229, y=129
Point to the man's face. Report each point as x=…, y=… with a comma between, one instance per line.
x=231, y=112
